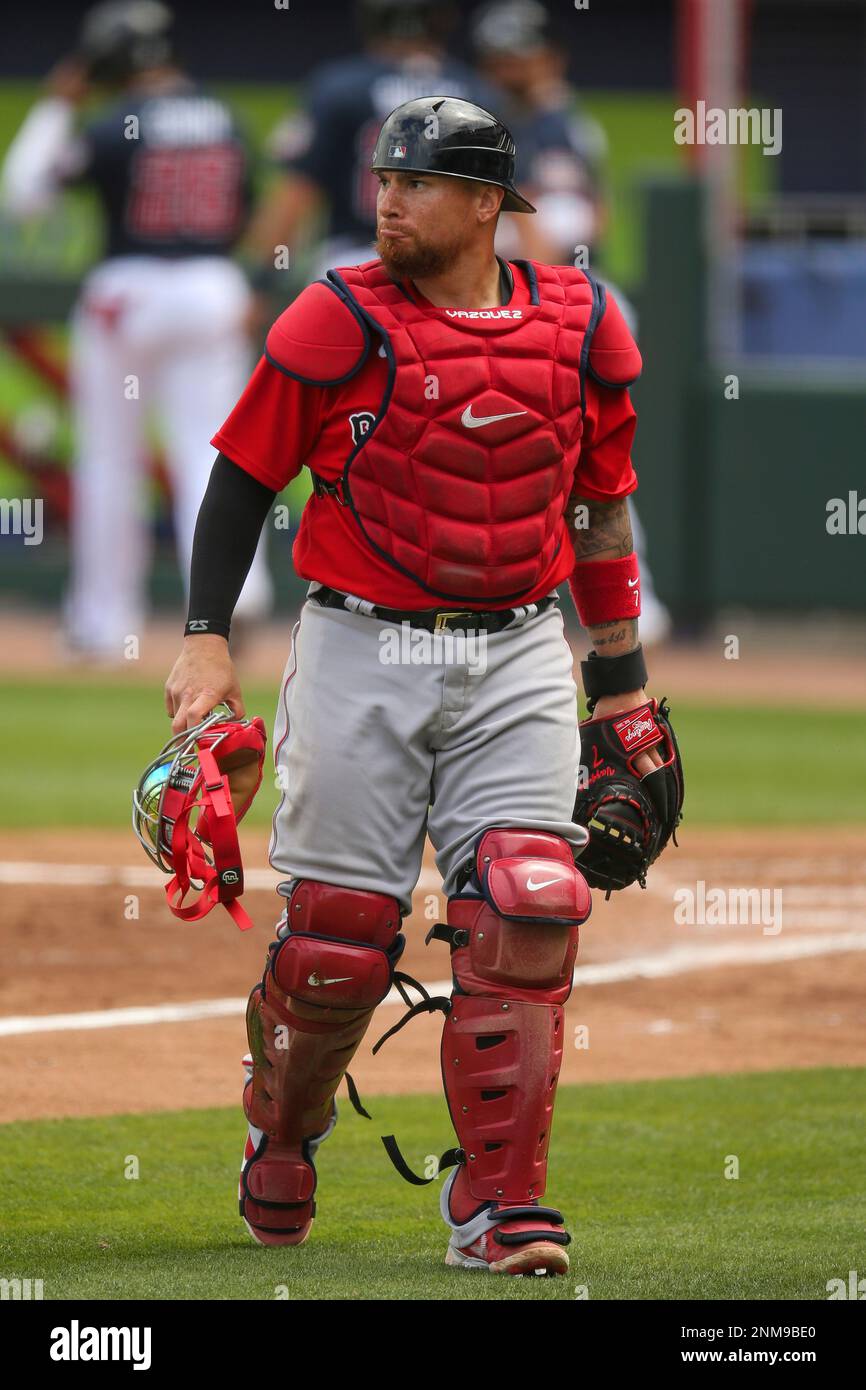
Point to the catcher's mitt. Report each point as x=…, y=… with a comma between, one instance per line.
x=630, y=819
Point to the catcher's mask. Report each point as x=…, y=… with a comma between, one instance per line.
x=186, y=807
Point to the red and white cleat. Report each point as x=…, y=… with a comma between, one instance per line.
x=506, y=1239
x=277, y=1184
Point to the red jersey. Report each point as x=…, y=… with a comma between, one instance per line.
x=281, y=425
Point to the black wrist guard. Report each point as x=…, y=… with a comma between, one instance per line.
x=197, y=627
x=613, y=675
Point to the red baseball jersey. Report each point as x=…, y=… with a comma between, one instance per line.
x=281, y=425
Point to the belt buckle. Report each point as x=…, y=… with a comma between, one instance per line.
x=442, y=619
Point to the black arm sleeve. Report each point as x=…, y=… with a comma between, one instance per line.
x=230, y=521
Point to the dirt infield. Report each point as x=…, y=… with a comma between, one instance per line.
x=653, y=997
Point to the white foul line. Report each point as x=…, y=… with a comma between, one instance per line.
x=678, y=961
x=30, y=873
x=133, y=1017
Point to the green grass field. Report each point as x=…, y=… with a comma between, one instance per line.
x=638, y=1169
x=80, y=748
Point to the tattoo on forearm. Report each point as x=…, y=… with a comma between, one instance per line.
x=615, y=639
x=598, y=527
x=607, y=639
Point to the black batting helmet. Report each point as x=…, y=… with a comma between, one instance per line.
x=445, y=135
x=123, y=37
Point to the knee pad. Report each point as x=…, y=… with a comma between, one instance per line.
x=339, y=947
x=513, y=954
x=520, y=939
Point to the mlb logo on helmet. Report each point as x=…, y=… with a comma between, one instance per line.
x=397, y=152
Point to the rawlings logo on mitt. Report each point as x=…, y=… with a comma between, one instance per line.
x=629, y=818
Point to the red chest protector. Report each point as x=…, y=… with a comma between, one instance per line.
x=462, y=480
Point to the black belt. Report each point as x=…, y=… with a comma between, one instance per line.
x=436, y=619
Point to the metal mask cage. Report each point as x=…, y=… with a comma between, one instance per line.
x=180, y=751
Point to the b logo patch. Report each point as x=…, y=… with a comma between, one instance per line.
x=361, y=423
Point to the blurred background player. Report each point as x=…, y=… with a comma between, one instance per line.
x=560, y=160
x=561, y=149
x=161, y=322
x=324, y=152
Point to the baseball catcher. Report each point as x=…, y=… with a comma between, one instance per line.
x=467, y=425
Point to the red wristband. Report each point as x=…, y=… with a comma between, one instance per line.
x=606, y=591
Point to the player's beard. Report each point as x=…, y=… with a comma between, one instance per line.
x=415, y=259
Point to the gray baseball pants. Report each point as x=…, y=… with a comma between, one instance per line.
x=381, y=737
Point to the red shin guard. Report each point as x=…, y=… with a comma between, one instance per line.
x=513, y=954
x=305, y=1021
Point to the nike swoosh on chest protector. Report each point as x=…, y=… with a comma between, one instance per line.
x=473, y=422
